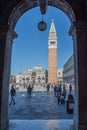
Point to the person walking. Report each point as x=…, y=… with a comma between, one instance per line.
x=55, y=89
x=58, y=98
x=70, y=88
x=64, y=91
x=29, y=89
x=12, y=93
x=48, y=87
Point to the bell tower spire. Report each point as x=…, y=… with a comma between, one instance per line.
x=52, y=28
x=52, y=54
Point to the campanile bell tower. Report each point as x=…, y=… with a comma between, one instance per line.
x=52, y=54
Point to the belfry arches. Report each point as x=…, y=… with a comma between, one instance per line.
x=78, y=31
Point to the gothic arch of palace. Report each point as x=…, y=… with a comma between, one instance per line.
x=10, y=12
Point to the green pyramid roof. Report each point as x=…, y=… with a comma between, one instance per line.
x=52, y=28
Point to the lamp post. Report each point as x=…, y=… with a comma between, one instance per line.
x=42, y=25
x=43, y=8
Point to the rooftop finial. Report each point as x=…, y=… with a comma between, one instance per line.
x=52, y=28
x=52, y=20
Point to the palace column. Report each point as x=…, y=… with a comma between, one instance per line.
x=6, y=39
x=79, y=33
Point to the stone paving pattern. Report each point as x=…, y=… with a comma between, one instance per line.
x=40, y=105
x=41, y=124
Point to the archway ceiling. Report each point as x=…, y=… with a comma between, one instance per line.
x=15, y=8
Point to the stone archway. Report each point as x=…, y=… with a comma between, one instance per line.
x=78, y=31
x=27, y=5
x=13, y=18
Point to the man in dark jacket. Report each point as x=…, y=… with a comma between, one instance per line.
x=12, y=93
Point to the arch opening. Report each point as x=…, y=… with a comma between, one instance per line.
x=42, y=45
x=27, y=5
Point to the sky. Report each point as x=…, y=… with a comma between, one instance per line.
x=30, y=48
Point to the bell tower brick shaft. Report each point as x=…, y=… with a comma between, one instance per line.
x=52, y=55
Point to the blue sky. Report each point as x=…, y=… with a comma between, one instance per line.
x=31, y=46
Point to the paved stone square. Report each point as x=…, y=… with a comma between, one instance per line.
x=41, y=124
x=40, y=105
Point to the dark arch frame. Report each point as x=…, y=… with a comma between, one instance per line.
x=22, y=7
x=25, y=6
x=10, y=12
x=17, y=12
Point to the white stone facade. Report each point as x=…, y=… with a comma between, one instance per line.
x=60, y=75
x=68, y=72
x=35, y=75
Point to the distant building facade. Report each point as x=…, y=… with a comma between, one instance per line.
x=12, y=79
x=60, y=75
x=35, y=75
x=68, y=70
x=38, y=75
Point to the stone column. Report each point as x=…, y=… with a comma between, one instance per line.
x=78, y=31
x=6, y=39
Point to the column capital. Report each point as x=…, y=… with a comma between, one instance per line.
x=11, y=34
x=7, y=32
x=78, y=26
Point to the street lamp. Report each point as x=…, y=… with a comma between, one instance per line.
x=43, y=8
x=42, y=25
